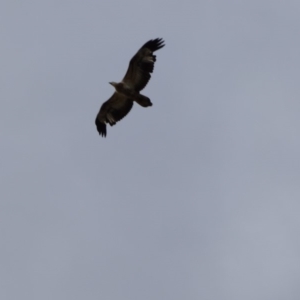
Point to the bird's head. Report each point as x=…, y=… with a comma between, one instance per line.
x=113, y=83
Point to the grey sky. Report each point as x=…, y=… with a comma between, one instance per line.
x=197, y=197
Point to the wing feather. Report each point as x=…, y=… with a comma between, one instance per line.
x=142, y=64
x=112, y=111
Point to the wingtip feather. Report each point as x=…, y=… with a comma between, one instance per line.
x=101, y=127
x=155, y=44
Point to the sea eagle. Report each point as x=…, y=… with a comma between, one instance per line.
x=128, y=90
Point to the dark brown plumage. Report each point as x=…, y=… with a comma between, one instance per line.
x=128, y=90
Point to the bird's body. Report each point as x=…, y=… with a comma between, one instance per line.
x=128, y=90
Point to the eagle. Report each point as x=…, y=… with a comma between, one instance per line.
x=128, y=90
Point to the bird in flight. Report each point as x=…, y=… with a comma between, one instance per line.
x=128, y=90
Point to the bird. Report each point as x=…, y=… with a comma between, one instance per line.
x=128, y=90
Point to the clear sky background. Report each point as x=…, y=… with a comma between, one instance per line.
x=197, y=197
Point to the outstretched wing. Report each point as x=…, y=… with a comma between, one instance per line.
x=112, y=111
x=142, y=64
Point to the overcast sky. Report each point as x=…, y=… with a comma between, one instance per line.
x=196, y=197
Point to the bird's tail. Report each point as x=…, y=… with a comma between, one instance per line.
x=143, y=100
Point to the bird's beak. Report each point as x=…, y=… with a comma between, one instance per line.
x=111, y=83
